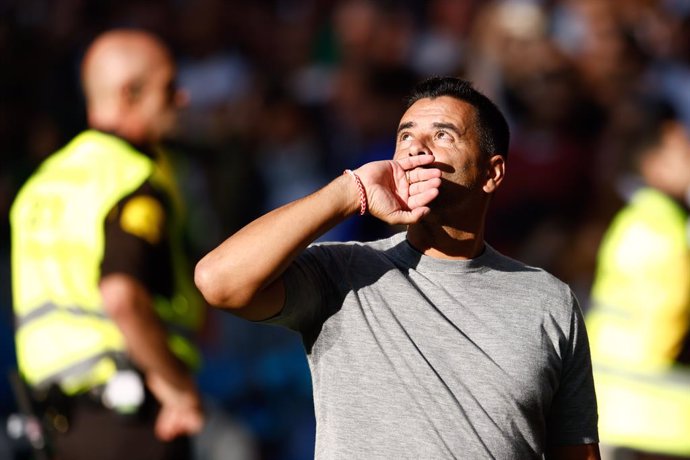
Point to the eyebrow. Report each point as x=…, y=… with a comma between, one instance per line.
x=406, y=125
x=449, y=126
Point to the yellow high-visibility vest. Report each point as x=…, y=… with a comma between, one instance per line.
x=639, y=318
x=62, y=333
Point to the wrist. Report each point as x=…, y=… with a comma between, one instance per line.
x=361, y=193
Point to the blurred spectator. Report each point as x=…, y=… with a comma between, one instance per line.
x=639, y=322
x=97, y=277
x=499, y=35
x=554, y=135
x=554, y=130
x=214, y=127
x=593, y=33
x=287, y=153
x=217, y=78
x=441, y=47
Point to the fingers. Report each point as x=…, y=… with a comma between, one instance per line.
x=421, y=194
x=173, y=422
x=181, y=412
x=420, y=178
x=417, y=205
x=417, y=188
x=423, y=197
x=165, y=425
x=415, y=161
x=421, y=174
x=398, y=192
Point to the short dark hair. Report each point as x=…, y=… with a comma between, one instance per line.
x=492, y=127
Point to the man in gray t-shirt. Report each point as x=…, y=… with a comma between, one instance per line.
x=475, y=358
x=429, y=344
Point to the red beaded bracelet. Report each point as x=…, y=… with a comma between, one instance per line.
x=362, y=193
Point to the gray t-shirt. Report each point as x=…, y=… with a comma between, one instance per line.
x=417, y=357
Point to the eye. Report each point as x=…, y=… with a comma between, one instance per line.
x=404, y=137
x=443, y=135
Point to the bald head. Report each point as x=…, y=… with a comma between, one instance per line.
x=121, y=70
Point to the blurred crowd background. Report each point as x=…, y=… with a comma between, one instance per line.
x=285, y=94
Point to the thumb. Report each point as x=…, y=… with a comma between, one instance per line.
x=163, y=427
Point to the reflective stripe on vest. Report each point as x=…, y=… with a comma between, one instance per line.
x=648, y=411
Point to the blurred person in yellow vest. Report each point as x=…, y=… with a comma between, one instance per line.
x=640, y=315
x=104, y=307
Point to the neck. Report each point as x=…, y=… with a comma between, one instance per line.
x=119, y=124
x=145, y=148
x=446, y=242
x=455, y=232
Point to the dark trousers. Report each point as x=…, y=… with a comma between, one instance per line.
x=93, y=432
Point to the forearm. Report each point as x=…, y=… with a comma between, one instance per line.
x=243, y=273
x=251, y=259
x=130, y=307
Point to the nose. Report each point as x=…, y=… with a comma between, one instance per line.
x=418, y=148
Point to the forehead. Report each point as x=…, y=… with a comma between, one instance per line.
x=161, y=68
x=153, y=60
x=445, y=109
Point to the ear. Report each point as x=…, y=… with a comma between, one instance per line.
x=181, y=98
x=495, y=173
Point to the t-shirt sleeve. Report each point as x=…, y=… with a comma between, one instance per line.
x=573, y=416
x=313, y=291
x=136, y=240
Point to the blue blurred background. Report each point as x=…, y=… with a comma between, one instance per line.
x=285, y=94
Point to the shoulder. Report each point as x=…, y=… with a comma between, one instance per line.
x=344, y=261
x=143, y=213
x=652, y=227
x=534, y=284
x=653, y=210
x=355, y=248
x=524, y=272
